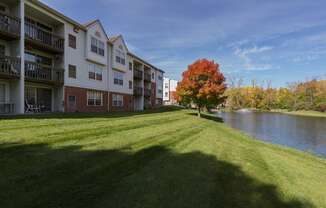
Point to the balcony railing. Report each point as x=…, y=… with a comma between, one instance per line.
x=138, y=74
x=147, y=77
x=36, y=72
x=147, y=92
x=10, y=66
x=138, y=91
x=9, y=25
x=44, y=38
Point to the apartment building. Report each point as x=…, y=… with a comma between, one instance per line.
x=51, y=63
x=169, y=90
x=147, y=82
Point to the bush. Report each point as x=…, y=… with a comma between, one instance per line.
x=322, y=107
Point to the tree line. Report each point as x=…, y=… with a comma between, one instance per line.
x=308, y=95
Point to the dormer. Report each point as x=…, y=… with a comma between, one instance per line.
x=119, y=53
x=96, y=43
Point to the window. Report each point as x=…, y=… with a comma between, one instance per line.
x=117, y=100
x=160, y=91
x=72, y=41
x=118, y=78
x=94, y=98
x=160, y=78
x=130, y=66
x=72, y=100
x=153, y=75
x=95, y=72
x=166, y=85
x=123, y=61
x=94, y=45
x=117, y=59
x=166, y=94
x=2, y=93
x=120, y=57
x=72, y=71
x=2, y=50
x=97, y=46
x=130, y=84
x=101, y=48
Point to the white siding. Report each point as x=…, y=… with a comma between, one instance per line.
x=113, y=66
x=92, y=31
x=159, y=84
x=77, y=58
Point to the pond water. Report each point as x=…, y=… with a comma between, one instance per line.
x=300, y=132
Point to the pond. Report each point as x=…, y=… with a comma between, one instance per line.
x=300, y=132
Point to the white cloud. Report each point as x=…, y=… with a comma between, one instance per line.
x=244, y=54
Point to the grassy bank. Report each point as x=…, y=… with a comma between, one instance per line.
x=157, y=159
x=296, y=113
x=306, y=113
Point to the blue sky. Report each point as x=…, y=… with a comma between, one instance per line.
x=277, y=40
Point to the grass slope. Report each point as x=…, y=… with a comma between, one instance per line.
x=307, y=113
x=157, y=159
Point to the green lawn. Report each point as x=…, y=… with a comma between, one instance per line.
x=157, y=159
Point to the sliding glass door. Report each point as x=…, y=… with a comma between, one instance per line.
x=40, y=98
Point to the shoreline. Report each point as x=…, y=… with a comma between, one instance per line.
x=294, y=113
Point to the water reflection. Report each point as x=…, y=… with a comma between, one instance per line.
x=304, y=133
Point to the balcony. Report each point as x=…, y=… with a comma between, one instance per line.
x=138, y=74
x=43, y=39
x=147, y=92
x=9, y=67
x=138, y=91
x=9, y=27
x=147, y=77
x=37, y=73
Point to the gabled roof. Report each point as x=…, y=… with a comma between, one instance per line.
x=114, y=38
x=117, y=37
x=97, y=21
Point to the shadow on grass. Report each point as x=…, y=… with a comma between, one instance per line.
x=90, y=115
x=209, y=117
x=40, y=176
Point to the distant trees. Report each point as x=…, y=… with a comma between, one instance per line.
x=309, y=95
x=202, y=84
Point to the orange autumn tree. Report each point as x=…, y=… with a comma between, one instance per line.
x=202, y=84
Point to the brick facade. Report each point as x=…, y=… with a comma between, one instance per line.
x=128, y=102
x=81, y=101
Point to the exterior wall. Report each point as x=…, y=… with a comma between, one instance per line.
x=138, y=100
x=159, y=84
x=81, y=101
x=169, y=87
x=128, y=103
x=119, y=45
x=77, y=58
x=95, y=30
x=114, y=66
x=153, y=95
x=153, y=75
